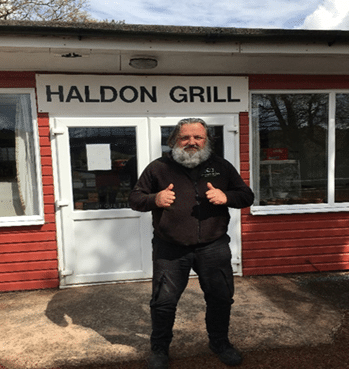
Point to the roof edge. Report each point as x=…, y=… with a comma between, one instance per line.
x=97, y=29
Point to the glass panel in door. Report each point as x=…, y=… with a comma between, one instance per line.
x=104, y=166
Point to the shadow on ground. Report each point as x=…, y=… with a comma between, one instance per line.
x=115, y=312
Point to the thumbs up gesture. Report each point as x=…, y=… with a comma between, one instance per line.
x=215, y=196
x=166, y=197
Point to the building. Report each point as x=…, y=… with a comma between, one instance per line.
x=83, y=108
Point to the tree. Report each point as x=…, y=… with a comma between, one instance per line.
x=45, y=10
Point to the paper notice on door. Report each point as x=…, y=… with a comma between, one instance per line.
x=98, y=156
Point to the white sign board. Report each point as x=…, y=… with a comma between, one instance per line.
x=79, y=95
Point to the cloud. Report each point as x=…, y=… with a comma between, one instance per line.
x=331, y=14
x=205, y=13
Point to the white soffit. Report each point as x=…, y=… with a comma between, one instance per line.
x=106, y=55
x=9, y=42
x=35, y=43
x=294, y=48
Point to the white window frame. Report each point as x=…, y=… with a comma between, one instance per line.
x=331, y=205
x=28, y=220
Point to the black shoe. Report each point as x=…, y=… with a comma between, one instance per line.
x=226, y=352
x=158, y=358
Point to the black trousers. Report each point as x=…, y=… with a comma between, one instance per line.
x=171, y=268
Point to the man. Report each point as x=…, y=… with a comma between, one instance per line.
x=189, y=192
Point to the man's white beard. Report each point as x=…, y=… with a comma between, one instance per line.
x=191, y=159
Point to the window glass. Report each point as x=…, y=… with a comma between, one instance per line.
x=290, y=148
x=104, y=166
x=18, y=175
x=342, y=140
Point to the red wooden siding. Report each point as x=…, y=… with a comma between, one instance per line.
x=295, y=243
x=17, y=79
x=244, y=148
x=277, y=244
x=28, y=254
x=296, y=82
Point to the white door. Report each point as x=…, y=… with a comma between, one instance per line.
x=101, y=238
x=226, y=131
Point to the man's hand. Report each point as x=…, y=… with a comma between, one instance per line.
x=215, y=196
x=166, y=197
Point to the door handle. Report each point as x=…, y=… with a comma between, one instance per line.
x=58, y=131
x=62, y=203
x=233, y=128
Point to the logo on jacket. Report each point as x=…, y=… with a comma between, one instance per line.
x=210, y=172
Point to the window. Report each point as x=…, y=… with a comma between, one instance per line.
x=20, y=194
x=299, y=142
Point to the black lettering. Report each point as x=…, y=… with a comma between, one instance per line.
x=49, y=93
x=114, y=94
x=74, y=94
x=215, y=95
x=209, y=94
x=199, y=93
x=152, y=96
x=87, y=95
x=132, y=99
x=184, y=97
x=230, y=95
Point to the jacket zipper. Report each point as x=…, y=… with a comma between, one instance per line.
x=198, y=204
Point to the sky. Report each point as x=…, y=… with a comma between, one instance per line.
x=281, y=14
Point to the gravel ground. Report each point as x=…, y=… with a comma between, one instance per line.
x=334, y=288
x=333, y=356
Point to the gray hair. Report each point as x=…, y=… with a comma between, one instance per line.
x=174, y=135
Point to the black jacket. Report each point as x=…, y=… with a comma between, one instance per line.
x=191, y=219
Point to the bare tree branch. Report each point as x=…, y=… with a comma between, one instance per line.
x=45, y=10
